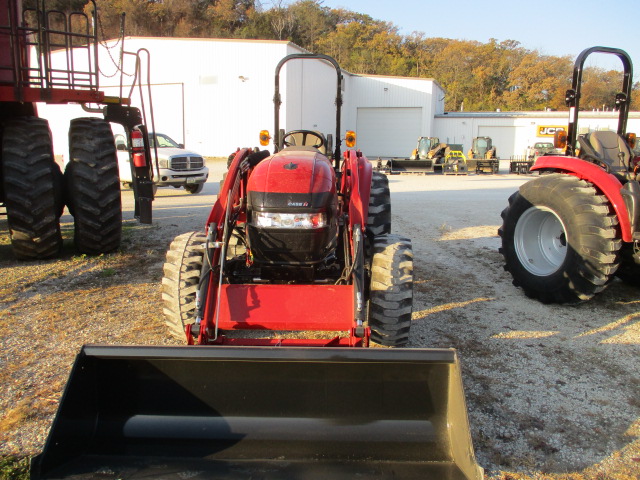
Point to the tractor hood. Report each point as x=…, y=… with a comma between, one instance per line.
x=297, y=179
x=292, y=208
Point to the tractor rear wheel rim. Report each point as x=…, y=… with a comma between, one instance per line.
x=540, y=241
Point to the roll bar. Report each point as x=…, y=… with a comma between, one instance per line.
x=277, y=99
x=623, y=99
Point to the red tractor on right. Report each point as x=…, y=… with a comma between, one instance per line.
x=566, y=233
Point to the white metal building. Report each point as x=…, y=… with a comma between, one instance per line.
x=216, y=95
x=513, y=132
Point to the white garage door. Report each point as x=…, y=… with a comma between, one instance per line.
x=508, y=140
x=388, y=132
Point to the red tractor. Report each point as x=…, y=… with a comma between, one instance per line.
x=568, y=232
x=297, y=241
x=304, y=226
x=33, y=188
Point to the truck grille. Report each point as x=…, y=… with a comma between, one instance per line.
x=187, y=163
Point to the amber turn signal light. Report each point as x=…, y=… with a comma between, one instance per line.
x=264, y=137
x=560, y=139
x=350, y=139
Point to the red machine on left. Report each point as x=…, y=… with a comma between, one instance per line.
x=33, y=188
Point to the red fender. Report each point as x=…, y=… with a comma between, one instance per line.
x=607, y=183
x=357, y=184
x=217, y=212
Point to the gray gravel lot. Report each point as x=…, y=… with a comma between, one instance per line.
x=550, y=389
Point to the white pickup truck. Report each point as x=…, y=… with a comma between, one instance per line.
x=178, y=167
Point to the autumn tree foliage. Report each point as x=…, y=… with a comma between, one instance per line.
x=476, y=76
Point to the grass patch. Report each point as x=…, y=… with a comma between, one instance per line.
x=12, y=468
x=108, y=272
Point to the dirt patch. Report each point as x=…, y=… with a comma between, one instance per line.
x=51, y=308
x=552, y=392
x=550, y=389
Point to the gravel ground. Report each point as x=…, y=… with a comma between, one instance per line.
x=552, y=392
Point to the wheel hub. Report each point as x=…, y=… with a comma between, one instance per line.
x=541, y=241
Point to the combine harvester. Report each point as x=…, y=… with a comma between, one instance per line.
x=297, y=241
x=41, y=61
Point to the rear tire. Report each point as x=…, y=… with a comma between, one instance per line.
x=180, y=281
x=391, y=291
x=559, y=239
x=93, y=186
x=32, y=184
x=379, y=217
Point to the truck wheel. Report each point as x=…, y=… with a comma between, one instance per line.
x=559, y=239
x=391, y=292
x=93, y=186
x=379, y=217
x=32, y=184
x=193, y=189
x=181, y=274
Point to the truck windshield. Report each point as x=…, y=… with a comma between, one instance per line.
x=163, y=140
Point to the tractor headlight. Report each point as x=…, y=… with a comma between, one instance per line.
x=289, y=220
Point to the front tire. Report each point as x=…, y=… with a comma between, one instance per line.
x=391, y=290
x=194, y=189
x=32, y=184
x=559, y=239
x=93, y=186
x=379, y=216
x=181, y=275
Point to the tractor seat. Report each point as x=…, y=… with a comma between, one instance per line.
x=610, y=148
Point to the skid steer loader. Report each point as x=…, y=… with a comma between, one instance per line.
x=297, y=241
x=428, y=156
x=482, y=156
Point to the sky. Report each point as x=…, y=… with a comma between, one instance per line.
x=550, y=27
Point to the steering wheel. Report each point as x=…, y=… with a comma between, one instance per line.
x=316, y=140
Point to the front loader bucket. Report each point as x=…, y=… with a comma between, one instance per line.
x=398, y=165
x=260, y=413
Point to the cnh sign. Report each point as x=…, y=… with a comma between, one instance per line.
x=549, y=131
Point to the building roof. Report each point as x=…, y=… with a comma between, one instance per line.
x=536, y=114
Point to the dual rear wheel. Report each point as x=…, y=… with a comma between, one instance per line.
x=35, y=190
x=32, y=186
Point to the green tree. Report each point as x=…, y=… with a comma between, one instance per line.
x=599, y=88
x=311, y=22
x=538, y=82
x=475, y=75
x=363, y=45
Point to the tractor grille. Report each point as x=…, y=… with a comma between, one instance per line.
x=184, y=164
